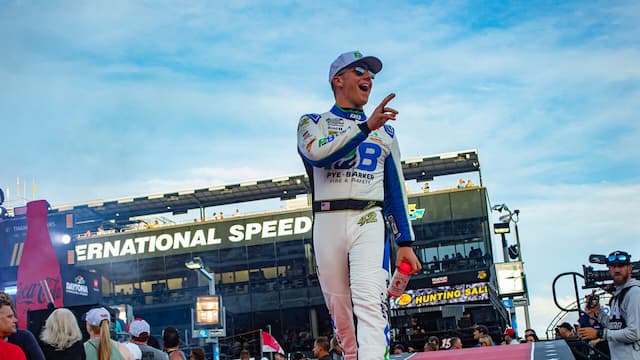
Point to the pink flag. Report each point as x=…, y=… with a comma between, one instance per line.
x=269, y=343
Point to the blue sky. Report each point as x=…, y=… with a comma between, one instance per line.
x=101, y=100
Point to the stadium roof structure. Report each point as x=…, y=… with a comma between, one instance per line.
x=287, y=187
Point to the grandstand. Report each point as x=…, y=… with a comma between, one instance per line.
x=263, y=263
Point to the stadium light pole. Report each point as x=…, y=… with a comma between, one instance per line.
x=197, y=264
x=514, y=216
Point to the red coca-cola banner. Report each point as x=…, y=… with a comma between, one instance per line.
x=39, y=270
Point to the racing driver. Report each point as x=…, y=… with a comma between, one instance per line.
x=353, y=163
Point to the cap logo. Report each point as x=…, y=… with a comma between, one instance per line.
x=357, y=54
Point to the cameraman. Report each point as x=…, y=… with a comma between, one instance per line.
x=589, y=318
x=622, y=328
x=591, y=313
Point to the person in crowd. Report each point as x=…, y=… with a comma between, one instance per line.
x=8, y=322
x=154, y=342
x=61, y=337
x=510, y=337
x=134, y=350
x=435, y=341
x=350, y=257
x=592, y=310
x=479, y=331
x=121, y=327
x=485, y=340
x=435, y=264
x=28, y=343
x=532, y=337
x=398, y=349
x=565, y=331
x=336, y=351
x=465, y=321
x=430, y=347
x=245, y=355
x=589, y=319
x=621, y=326
x=425, y=187
x=456, y=343
x=446, y=262
x=22, y=338
x=197, y=353
x=100, y=346
x=280, y=356
x=321, y=348
x=139, y=330
x=171, y=339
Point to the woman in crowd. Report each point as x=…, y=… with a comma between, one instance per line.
x=485, y=340
x=100, y=346
x=532, y=338
x=171, y=339
x=61, y=337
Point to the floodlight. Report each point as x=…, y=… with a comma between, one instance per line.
x=501, y=228
x=194, y=264
x=500, y=207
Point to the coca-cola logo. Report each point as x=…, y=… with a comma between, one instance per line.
x=34, y=293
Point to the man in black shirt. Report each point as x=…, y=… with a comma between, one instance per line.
x=321, y=348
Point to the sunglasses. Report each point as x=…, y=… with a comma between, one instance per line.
x=360, y=71
x=619, y=257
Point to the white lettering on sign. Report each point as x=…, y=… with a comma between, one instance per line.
x=236, y=233
x=269, y=229
x=77, y=289
x=284, y=227
x=189, y=239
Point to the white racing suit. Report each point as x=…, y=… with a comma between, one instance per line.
x=356, y=176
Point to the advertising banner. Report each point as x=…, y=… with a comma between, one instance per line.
x=39, y=281
x=194, y=237
x=442, y=295
x=80, y=287
x=13, y=232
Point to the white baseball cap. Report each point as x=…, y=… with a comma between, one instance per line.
x=351, y=57
x=139, y=326
x=95, y=316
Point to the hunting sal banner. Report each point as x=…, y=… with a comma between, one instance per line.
x=442, y=295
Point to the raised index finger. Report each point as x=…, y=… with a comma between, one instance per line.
x=386, y=100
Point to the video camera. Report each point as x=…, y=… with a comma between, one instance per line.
x=592, y=300
x=601, y=278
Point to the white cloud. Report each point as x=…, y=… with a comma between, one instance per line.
x=544, y=313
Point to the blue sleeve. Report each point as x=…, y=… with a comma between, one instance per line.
x=395, y=199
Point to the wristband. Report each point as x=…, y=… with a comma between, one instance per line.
x=600, y=334
x=364, y=128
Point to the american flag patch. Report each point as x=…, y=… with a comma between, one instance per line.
x=325, y=206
